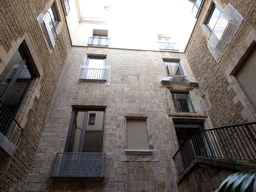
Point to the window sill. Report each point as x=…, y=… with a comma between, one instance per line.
x=139, y=151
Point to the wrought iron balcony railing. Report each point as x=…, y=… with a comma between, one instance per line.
x=10, y=131
x=236, y=142
x=167, y=45
x=80, y=164
x=93, y=74
x=98, y=41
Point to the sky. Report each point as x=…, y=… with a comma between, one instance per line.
x=172, y=17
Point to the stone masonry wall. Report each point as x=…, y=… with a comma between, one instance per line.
x=18, y=23
x=131, y=89
x=226, y=107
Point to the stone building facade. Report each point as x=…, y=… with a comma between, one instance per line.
x=99, y=118
x=21, y=35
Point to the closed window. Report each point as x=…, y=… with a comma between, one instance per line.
x=173, y=68
x=94, y=69
x=86, y=132
x=137, y=136
x=216, y=22
x=246, y=76
x=182, y=102
x=197, y=4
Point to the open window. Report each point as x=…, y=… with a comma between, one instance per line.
x=216, y=22
x=173, y=68
x=95, y=69
x=182, y=102
x=48, y=23
x=83, y=155
x=99, y=38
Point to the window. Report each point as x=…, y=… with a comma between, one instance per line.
x=92, y=119
x=196, y=6
x=83, y=155
x=48, y=23
x=99, y=38
x=137, y=136
x=164, y=42
x=85, y=136
x=66, y=6
x=94, y=69
x=15, y=80
x=246, y=76
x=216, y=22
x=173, y=68
x=182, y=102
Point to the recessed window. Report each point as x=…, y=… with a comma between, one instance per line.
x=92, y=117
x=94, y=69
x=173, y=68
x=216, y=22
x=66, y=6
x=196, y=6
x=182, y=102
x=15, y=80
x=48, y=23
x=246, y=76
x=99, y=38
x=137, y=136
x=84, y=136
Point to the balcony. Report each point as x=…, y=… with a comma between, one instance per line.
x=167, y=46
x=10, y=131
x=80, y=165
x=93, y=74
x=98, y=41
x=235, y=143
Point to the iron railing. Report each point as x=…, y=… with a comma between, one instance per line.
x=167, y=45
x=93, y=74
x=80, y=164
x=9, y=127
x=98, y=41
x=236, y=142
x=219, y=28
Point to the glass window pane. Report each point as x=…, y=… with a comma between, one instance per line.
x=214, y=17
x=182, y=102
x=173, y=68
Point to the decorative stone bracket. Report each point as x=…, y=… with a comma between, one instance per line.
x=177, y=82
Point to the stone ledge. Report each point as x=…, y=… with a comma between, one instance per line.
x=186, y=115
x=7, y=148
x=214, y=162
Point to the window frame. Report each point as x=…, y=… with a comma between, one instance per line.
x=85, y=125
x=82, y=75
x=208, y=19
x=189, y=101
x=174, y=61
x=127, y=136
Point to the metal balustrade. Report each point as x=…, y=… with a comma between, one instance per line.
x=167, y=45
x=98, y=41
x=93, y=74
x=236, y=142
x=9, y=127
x=79, y=164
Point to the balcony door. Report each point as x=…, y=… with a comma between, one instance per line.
x=191, y=146
x=86, y=132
